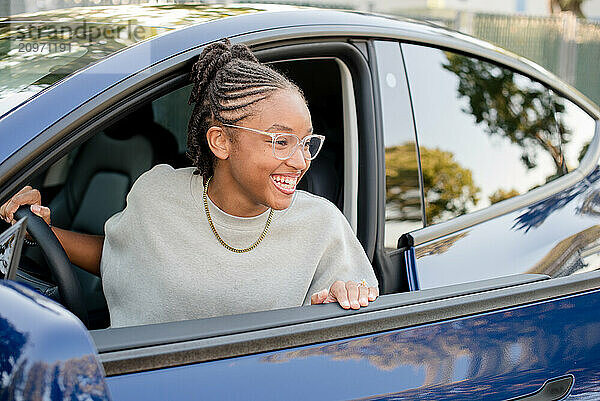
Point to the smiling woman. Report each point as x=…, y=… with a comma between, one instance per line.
x=244, y=238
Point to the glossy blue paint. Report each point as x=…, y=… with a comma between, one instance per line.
x=495, y=356
x=45, y=351
x=411, y=269
x=547, y=237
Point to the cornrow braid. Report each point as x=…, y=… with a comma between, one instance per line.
x=227, y=81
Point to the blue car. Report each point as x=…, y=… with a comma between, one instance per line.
x=469, y=175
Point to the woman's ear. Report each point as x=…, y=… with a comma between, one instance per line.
x=218, y=142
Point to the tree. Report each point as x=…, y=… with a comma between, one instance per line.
x=449, y=188
x=525, y=114
x=502, y=194
x=574, y=6
x=403, y=197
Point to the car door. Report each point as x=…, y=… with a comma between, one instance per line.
x=435, y=344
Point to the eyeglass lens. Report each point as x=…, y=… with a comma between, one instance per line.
x=286, y=144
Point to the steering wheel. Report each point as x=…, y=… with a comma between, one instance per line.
x=61, y=270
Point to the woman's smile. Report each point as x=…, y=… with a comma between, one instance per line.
x=285, y=183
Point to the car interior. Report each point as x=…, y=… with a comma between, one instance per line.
x=90, y=183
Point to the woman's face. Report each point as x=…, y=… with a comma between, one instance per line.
x=258, y=179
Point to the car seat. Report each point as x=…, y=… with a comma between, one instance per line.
x=99, y=179
x=323, y=179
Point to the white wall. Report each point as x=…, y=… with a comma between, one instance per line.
x=591, y=8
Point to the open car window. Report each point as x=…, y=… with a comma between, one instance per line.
x=90, y=184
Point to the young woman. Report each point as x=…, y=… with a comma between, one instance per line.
x=231, y=234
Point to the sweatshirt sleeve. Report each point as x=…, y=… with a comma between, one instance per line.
x=343, y=257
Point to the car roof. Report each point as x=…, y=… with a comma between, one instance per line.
x=170, y=16
x=86, y=35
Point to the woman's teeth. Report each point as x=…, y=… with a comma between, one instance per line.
x=288, y=183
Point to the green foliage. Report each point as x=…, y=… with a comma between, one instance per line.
x=449, y=187
x=502, y=194
x=523, y=113
x=402, y=183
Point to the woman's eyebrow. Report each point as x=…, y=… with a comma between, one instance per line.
x=280, y=127
x=284, y=128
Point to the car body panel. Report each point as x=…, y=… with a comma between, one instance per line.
x=530, y=241
x=496, y=355
x=46, y=351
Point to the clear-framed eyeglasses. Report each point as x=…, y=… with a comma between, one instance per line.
x=286, y=144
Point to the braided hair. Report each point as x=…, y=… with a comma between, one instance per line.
x=228, y=81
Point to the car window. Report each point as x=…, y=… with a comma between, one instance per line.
x=487, y=133
x=175, y=119
x=156, y=132
x=37, y=50
x=403, y=212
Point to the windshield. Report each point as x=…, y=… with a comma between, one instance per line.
x=37, y=50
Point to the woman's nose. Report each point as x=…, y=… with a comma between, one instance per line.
x=297, y=159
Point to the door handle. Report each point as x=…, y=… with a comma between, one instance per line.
x=552, y=390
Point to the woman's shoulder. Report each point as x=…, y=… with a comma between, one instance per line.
x=157, y=183
x=162, y=172
x=315, y=205
x=163, y=175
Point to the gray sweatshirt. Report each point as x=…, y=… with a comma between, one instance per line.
x=161, y=262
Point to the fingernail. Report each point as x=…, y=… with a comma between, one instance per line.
x=345, y=304
x=363, y=300
x=355, y=304
x=35, y=208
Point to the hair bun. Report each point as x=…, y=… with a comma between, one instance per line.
x=214, y=57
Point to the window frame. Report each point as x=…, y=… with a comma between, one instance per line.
x=392, y=263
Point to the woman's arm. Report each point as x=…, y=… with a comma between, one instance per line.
x=82, y=249
x=344, y=273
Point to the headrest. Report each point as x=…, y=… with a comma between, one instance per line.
x=132, y=124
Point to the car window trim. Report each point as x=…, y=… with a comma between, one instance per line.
x=125, y=338
x=389, y=263
x=389, y=312
x=350, y=146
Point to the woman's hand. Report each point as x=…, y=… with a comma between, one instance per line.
x=26, y=196
x=348, y=294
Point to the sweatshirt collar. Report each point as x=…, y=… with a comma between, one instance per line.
x=224, y=219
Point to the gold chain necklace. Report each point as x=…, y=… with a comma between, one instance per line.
x=214, y=230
